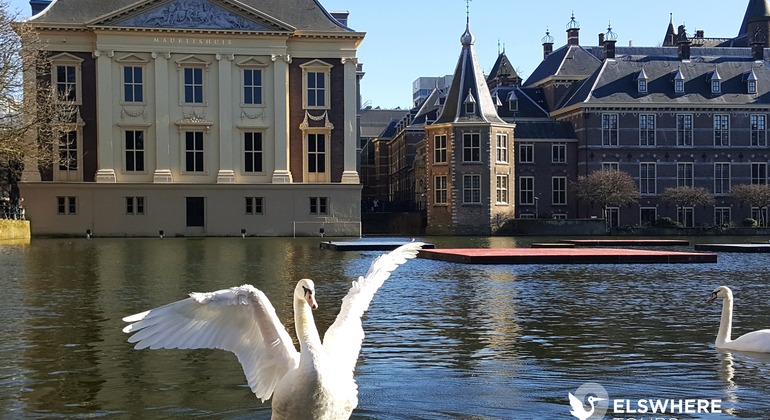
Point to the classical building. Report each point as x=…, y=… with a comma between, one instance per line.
x=200, y=117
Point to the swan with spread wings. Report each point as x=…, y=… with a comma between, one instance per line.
x=315, y=382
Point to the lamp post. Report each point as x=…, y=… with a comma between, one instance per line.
x=537, y=201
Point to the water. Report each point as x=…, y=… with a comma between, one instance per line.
x=444, y=340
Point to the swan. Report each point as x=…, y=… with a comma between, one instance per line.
x=579, y=410
x=755, y=341
x=315, y=382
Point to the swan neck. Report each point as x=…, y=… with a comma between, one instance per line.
x=304, y=323
x=726, y=324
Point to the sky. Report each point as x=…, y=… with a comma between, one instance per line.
x=407, y=39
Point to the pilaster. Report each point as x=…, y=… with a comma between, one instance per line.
x=226, y=174
x=350, y=173
x=162, y=172
x=105, y=143
x=281, y=174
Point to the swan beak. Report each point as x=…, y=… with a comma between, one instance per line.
x=311, y=300
x=712, y=297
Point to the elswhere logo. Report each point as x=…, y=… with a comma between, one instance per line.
x=591, y=401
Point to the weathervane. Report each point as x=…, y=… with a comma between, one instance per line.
x=467, y=11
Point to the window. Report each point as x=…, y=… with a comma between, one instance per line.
x=679, y=86
x=716, y=86
x=684, y=174
x=471, y=147
x=135, y=206
x=66, y=82
x=252, y=152
x=68, y=151
x=316, y=156
x=254, y=205
x=610, y=166
x=751, y=85
x=193, y=151
x=502, y=189
x=758, y=130
x=613, y=217
x=318, y=205
x=470, y=107
x=646, y=130
x=559, y=190
x=133, y=84
x=527, y=190
x=760, y=215
x=609, y=129
x=471, y=189
x=684, y=130
x=134, y=142
x=648, y=216
x=759, y=173
x=193, y=85
x=721, y=178
x=252, y=86
x=316, y=89
x=439, y=149
x=722, y=216
x=686, y=216
x=642, y=85
x=440, y=189
x=559, y=153
x=66, y=205
x=526, y=153
x=721, y=130
x=647, y=179
x=502, y=147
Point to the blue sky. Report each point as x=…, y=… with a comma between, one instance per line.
x=407, y=39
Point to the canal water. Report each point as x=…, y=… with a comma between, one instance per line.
x=443, y=340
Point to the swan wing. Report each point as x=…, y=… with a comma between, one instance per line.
x=240, y=319
x=755, y=341
x=343, y=339
x=578, y=409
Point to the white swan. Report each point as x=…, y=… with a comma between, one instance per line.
x=579, y=410
x=755, y=341
x=314, y=383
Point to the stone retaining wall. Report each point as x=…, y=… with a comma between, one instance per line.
x=14, y=229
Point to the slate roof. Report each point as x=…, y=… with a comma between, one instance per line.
x=569, y=61
x=307, y=15
x=468, y=84
x=614, y=83
x=756, y=10
x=531, y=103
x=544, y=130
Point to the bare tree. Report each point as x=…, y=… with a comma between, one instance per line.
x=31, y=110
x=606, y=188
x=754, y=195
x=687, y=196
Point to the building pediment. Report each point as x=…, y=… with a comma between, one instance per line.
x=192, y=14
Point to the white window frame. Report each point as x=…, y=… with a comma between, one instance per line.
x=67, y=205
x=684, y=174
x=195, y=152
x=193, y=62
x=527, y=190
x=559, y=190
x=316, y=176
x=759, y=173
x=758, y=124
x=722, y=178
x=611, y=166
x=68, y=60
x=648, y=179
x=721, y=130
x=654, y=211
x=440, y=189
x=471, y=148
x=254, y=206
x=440, y=151
x=318, y=206
x=135, y=206
x=63, y=172
x=610, y=129
x=501, y=141
x=722, y=216
x=686, y=216
x=679, y=86
x=472, y=189
x=501, y=187
x=134, y=150
x=559, y=153
x=751, y=86
x=642, y=86
x=247, y=154
x=526, y=153
x=684, y=130
x=324, y=70
x=647, y=130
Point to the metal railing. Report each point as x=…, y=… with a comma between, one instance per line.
x=12, y=212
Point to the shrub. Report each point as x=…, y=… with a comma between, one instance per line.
x=667, y=222
x=749, y=222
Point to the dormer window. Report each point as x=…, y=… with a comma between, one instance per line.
x=642, y=86
x=679, y=82
x=496, y=100
x=470, y=104
x=513, y=101
x=716, y=82
x=641, y=81
x=751, y=82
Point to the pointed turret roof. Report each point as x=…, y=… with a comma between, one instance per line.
x=503, y=73
x=758, y=10
x=468, y=82
x=670, y=39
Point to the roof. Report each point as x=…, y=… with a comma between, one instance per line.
x=374, y=120
x=468, y=85
x=615, y=82
x=569, y=61
x=756, y=10
x=307, y=15
x=544, y=130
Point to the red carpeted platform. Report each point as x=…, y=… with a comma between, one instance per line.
x=565, y=256
x=627, y=242
x=745, y=248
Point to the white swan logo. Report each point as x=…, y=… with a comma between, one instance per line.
x=589, y=401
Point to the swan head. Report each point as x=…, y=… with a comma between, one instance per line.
x=305, y=291
x=721, y=292
x=591, y=399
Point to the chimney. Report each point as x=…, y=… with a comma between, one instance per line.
x=684, y=44
x=610, y=38
x=601, y=38
x=38, y=6
x=341, y=16
x=573, y=31
x=547, y=44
